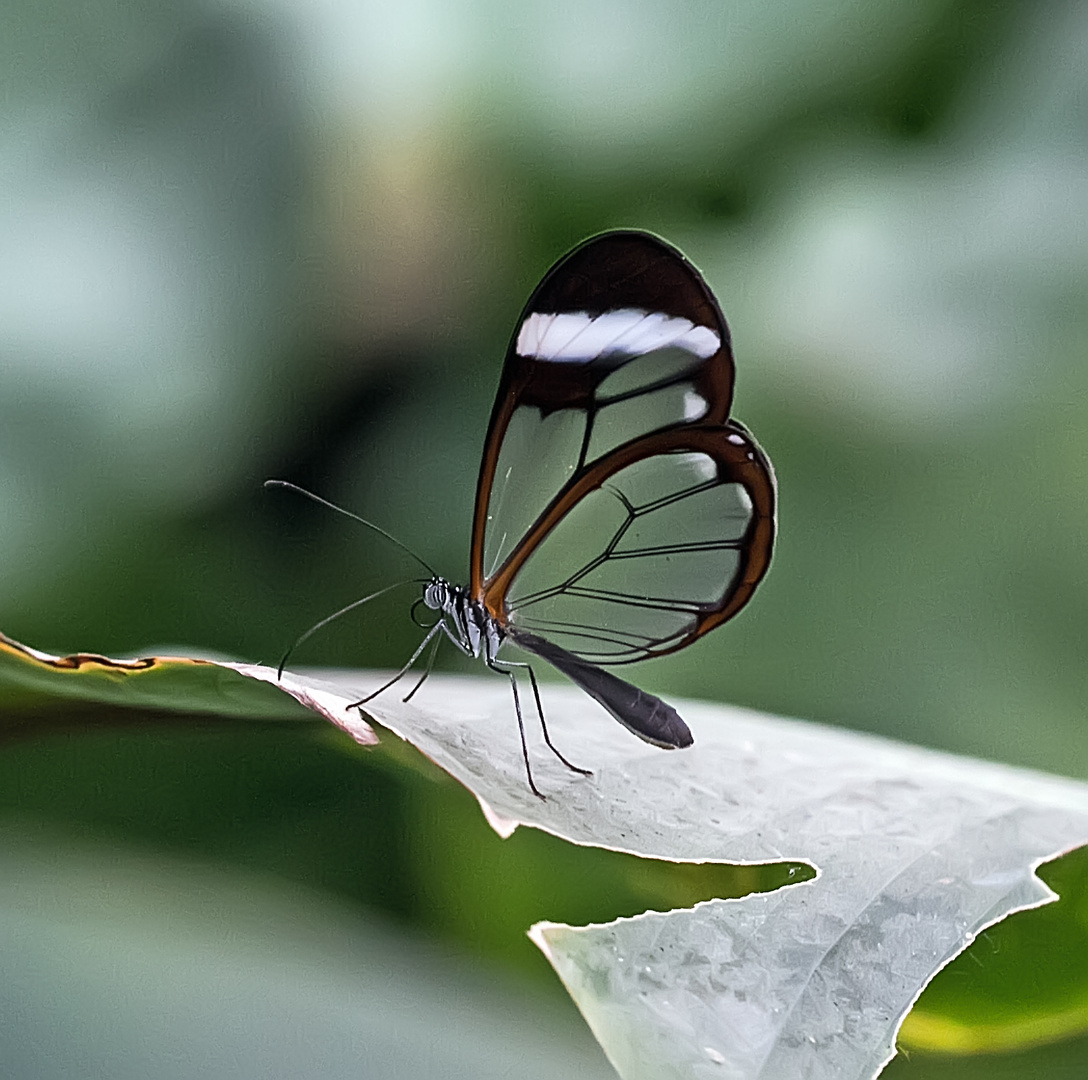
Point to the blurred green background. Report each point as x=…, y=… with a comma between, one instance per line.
x=272, y=238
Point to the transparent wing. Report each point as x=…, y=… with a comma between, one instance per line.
x=619, y=511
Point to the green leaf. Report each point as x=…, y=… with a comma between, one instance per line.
x=37, y=688
x=1021, y=984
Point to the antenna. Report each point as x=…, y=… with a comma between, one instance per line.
x=362, y=521
x=336, y=615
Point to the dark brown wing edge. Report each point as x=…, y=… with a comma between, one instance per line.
x=651, y=719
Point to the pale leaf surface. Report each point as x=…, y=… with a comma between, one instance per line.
x=916, y=853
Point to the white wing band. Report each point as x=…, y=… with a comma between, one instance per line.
x=575, y=337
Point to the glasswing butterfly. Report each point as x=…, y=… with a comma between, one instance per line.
x=620, y=512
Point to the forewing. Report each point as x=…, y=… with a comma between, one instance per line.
x=621, y=339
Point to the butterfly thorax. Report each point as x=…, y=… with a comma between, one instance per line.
x=473, y=627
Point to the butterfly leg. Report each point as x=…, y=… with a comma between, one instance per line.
x=440, y=625
x=491, y=663
x=505, y=666
x=426, y=671
x=467, y=650
x=543, y=725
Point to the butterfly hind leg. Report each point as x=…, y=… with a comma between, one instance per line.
x=505, y=667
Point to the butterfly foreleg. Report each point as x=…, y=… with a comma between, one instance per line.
x=426, y=671
x=440, y=625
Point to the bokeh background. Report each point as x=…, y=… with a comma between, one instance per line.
x=252, y=238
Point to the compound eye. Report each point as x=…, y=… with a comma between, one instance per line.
x=436, y=595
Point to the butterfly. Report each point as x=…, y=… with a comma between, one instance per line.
x=620, y=512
